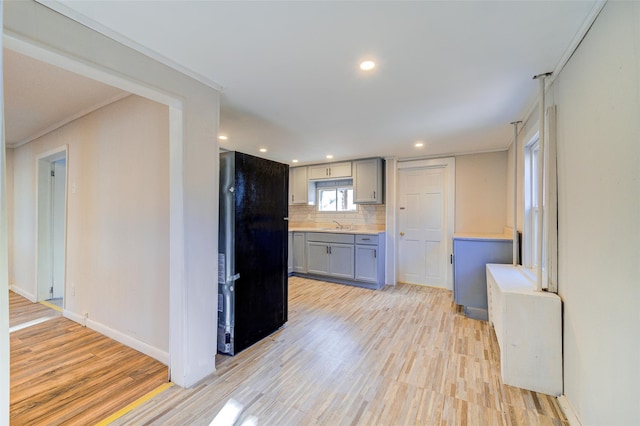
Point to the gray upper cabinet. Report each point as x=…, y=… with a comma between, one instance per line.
x=368, y=177
x=330, y=171
x=298, y=186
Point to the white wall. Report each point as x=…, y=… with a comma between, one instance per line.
x=597, y=95
x=118, y=218
x=481, y=182
x=9, y=187
x=598, y=134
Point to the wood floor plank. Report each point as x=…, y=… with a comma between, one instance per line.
x=23, y=310
x=63, y=373
x=352, y=356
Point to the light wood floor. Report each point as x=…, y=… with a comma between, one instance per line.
x=401, y=355
x=62, y=373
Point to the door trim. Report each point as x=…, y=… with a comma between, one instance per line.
x=449, y=164
x=43, y=267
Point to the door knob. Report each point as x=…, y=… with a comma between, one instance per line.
x=402, y=234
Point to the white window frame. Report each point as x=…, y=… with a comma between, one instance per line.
x=335, y=188
x=531, y=208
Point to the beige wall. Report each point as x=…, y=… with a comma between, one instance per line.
x=481, y=182
x=118, y=218
x=597, y=98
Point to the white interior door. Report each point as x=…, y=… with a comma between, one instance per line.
x=58, y=207
x=422, y=240
x=51, y=223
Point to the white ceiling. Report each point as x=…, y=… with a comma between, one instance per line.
x=451, y=74
x=39, y=97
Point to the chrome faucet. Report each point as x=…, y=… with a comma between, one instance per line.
x=339, y=226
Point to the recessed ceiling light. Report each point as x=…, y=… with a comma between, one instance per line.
x=419, y=144
x=329, y=156
x=294, y=161
x=263, y=149
x=223, y=137
x=367, y=65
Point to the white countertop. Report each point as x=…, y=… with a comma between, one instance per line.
x=481, y=236
x=336, y=230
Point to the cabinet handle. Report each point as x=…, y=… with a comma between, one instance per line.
x=292, y=198
x=366, y=239
x=329, y=250
x=375, y=253
x=402, y=234
x=374, y=194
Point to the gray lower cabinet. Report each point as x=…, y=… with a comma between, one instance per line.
x=290, y=254
x=346, y=258
x=366, y=263
x=470, y=257
x=299, y=252
x=331, y=259
x=370, y=258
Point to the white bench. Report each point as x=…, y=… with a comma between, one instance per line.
x=528, y=326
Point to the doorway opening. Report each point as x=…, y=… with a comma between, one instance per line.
x=51, y=205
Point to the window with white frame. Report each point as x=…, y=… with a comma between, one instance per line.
x=335, y=197
x=532, y=209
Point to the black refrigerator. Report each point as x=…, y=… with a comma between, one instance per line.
x=252, y=259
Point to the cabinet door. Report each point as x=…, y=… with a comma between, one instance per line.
x=367, y=181
x=341, y=260
x=319, y=172
x=318, y=258
x=290, y=253
x=367, y=263
x=340, y=170
x=298, y=186
x=299, y=258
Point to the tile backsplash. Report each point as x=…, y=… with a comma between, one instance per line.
x=367, y=217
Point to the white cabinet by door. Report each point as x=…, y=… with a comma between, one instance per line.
x=330, y=171
x=299, y=257
x=298, y=186
x=368, y=176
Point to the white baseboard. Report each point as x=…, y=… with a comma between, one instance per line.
x=568, y=411
x=136, y=344
x=23, y=293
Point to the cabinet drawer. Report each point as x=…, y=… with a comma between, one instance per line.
x=367, y=239
x=324, y=237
